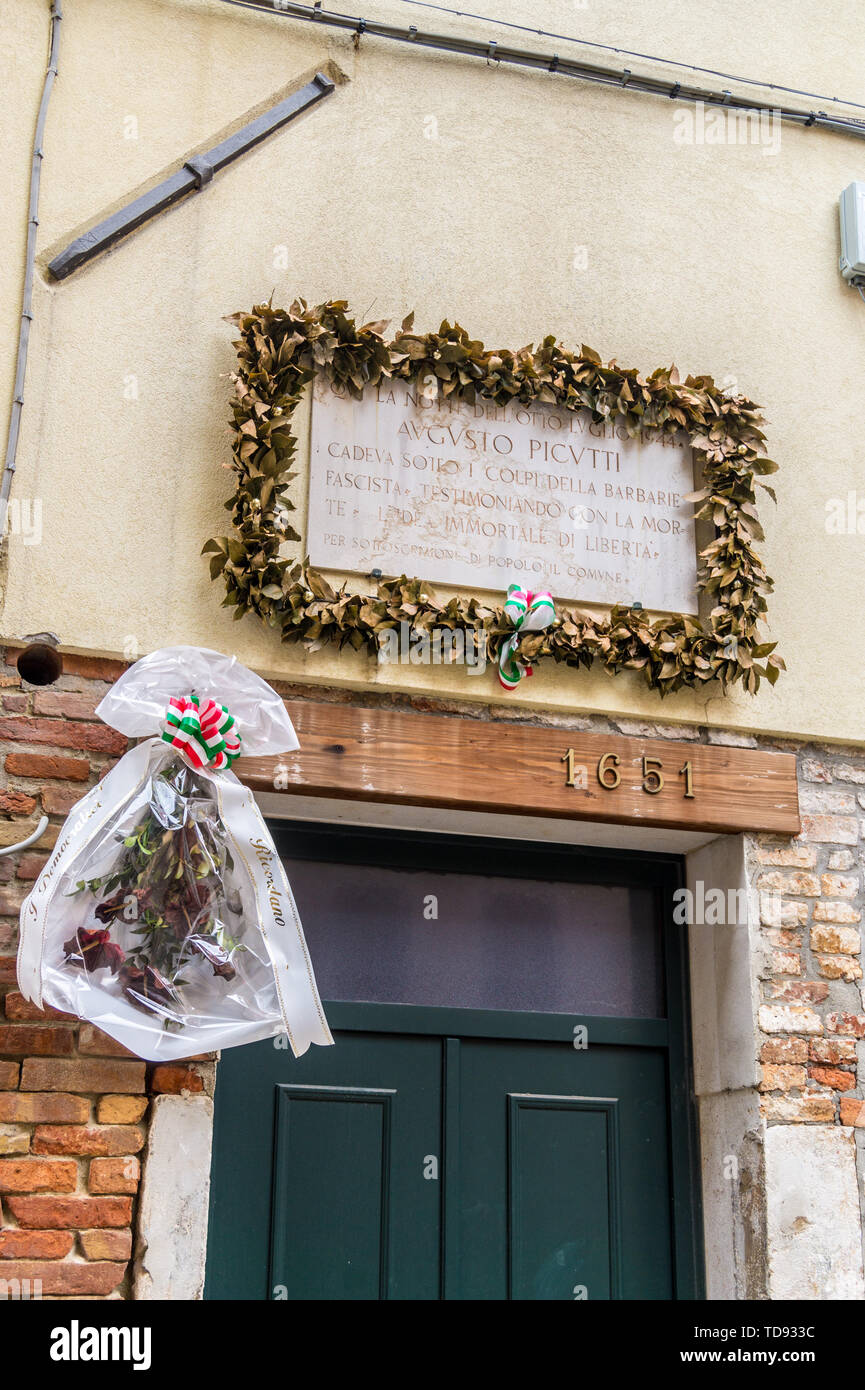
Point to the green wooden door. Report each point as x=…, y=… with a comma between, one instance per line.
x=422, y=1166
x=318, y=1185
x=441, y=1152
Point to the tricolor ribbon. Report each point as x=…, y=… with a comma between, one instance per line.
x=203, y=731
x=529, y=613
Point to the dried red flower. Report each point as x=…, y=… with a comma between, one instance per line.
x=111, y=907
x=214, y=954
x=146, y=988
x=94, y=950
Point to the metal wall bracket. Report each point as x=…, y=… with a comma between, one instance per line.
x=201, y=169
x=193, y=176
x=30, y=839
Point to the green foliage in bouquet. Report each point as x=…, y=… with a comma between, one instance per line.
x=165, y=889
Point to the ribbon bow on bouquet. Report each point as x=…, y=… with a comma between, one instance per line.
x=201, y=729
x=529, y=613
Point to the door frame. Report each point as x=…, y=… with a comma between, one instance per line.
x=567, y=863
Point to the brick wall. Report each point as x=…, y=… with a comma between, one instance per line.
x=811, y=1018
x=73, y=1103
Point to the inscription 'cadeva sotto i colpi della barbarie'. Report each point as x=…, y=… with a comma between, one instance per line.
x=479, y=495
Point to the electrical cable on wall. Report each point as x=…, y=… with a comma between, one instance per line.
x=631, y=53
x=29, y=267
x=491, y=51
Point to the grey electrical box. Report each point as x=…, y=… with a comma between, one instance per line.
x=853, y=233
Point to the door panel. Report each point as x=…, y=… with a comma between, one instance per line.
x=330, y=1219
x=563, y=1167
x=563, y=1237
x=318, y=1175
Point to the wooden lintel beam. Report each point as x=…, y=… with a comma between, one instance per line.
x=492, y=765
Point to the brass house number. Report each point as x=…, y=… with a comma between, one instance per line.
x=609, y=775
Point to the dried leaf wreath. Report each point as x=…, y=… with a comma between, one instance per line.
x=279, y=353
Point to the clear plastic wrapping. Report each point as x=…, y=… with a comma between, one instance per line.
x=164, y=915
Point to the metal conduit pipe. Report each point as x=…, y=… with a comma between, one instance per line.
x=492, y=51
x=29, y=268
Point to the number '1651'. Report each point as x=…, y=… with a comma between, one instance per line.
x=609, y=774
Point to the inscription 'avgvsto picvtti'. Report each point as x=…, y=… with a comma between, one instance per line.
x=482, y=495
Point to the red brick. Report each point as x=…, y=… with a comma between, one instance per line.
x=120, y=1110
x=831, y=1076
x=29, y=866
x=840, y=885
x=14, y=1139
x=17, y=803
x=799, y=991
x=114, y=1175
x=84, y=1074
x=58, y=801
x=782, y=1077
x=837, y=914
x=39, y=1041
x=832, y=1050
x=94, y=668
x=172, y=1080
x=60, y=1278
x=12, y=832
x=16, y=704
x=839, y=968
x=853, y=1111
x=47, y=765
x=11, y=899
x=788, y=856
x=784, y=1050
x=42, y=1213
x=851, y=1025
x=37, y=1175
x=61, y=733
x=8, y=971
x=43, y=1107
x=838, y=830
x=102, y=1140
x=66, y=705
x=92, y=1042
x=34, y=1245
x=106, y=1245
x=796, y=884
x=8, y=1075
x=784, y=963
x=808, y=1109
x=20, y=1010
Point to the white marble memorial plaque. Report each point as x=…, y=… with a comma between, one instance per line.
x=479, y=496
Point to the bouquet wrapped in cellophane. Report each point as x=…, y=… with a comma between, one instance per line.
x=164, y=915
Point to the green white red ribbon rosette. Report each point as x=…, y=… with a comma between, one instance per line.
x=202, y=730
x=529, y=613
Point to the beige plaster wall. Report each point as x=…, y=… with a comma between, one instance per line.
x=722, y=258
